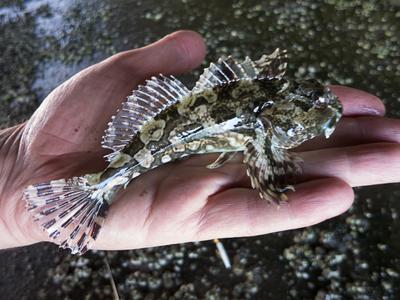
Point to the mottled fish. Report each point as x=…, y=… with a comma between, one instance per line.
x=234, y=107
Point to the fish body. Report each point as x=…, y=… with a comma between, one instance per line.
x=235, y=107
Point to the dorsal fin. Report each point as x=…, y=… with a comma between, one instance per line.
x=143, y=105
x=272, y=66
x=250, y=68
x=228, y=70
x=225, y=71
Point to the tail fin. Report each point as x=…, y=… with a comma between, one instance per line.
x=71, y=211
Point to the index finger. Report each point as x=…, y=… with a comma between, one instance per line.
x=358, y=103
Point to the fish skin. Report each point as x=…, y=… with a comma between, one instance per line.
x=235, y=103
x=244, y=107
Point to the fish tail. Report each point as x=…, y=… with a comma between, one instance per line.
x=71, y=211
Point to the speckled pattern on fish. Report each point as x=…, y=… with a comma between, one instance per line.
x=246, y=106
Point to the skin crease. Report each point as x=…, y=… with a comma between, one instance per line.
x=166, y=206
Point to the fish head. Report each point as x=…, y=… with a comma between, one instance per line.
x=303, y=110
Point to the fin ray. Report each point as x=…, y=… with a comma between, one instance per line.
x=228, y=70
x=225, y=71
x=221, y=160
x=271, y=169
x=68, y=212
x=272, y=66
x=146, y=102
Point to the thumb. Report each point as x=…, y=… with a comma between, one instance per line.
x=176, y=53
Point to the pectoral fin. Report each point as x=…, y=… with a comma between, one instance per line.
x=222, y=159
x=271, y=169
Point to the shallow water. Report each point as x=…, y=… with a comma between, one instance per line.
x=355, y=43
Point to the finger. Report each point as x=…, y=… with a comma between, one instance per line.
x=240, y=212
x=356, y=102
x=361, y=130
x=357, y=165
x=176, y=53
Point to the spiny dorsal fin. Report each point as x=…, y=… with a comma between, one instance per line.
x=225, y=71
x=146, y=102
x=250, y=68
x=228, y=70
x=272, y=66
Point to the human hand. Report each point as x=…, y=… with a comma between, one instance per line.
x=183, y=201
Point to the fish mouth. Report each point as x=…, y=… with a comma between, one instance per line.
x=328, y=131
x=330, y=126
x=336, y=108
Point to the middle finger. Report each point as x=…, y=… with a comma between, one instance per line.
x=358, y=165
x=359, y=130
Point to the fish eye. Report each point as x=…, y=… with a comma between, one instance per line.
x=320, y=102
x=267, y=105
x=264, y=106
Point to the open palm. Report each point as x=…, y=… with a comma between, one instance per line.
x=182, y=201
